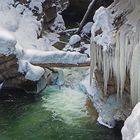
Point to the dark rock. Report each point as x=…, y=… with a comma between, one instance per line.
x=77, y=8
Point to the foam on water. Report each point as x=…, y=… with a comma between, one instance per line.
x=67, y=105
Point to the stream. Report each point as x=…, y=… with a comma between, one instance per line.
x=57, y=114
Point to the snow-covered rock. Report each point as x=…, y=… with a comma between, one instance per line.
x=36, y=5
x=137, y=137
x=102, y=29
x=33, y=73
x=131, y=129
x=59, y=24
x=74, y=39
x=87, y=29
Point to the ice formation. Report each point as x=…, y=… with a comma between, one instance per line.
x=109, y=109
x=115, y=45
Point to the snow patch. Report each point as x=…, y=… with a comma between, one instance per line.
x=33, y=73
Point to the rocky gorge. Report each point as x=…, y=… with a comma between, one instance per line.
x=108, y=41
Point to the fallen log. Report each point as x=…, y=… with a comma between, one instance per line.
x=87, y=64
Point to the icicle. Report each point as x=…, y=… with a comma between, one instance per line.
x=116, y=63
x=134, y=75
x=92, y=59
x=105, y=71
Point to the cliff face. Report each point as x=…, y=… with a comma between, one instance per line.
x=115, y=48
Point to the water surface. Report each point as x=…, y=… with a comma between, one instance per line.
x=59, y=114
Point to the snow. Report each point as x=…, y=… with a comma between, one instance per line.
x=87, y=29
x=59, y=24
x=20, y=8
x=33, y=73
x=7, y=42
x=52, y=37
x=103, y=22
x=9, y=19
x=36, y=5
x=137, y=137
x=5, y=4
x=36, y=56
x=74, y=39
x=131, y=129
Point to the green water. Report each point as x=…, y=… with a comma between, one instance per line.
x=55, y=115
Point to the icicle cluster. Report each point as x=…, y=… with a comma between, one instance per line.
x=116, y=50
